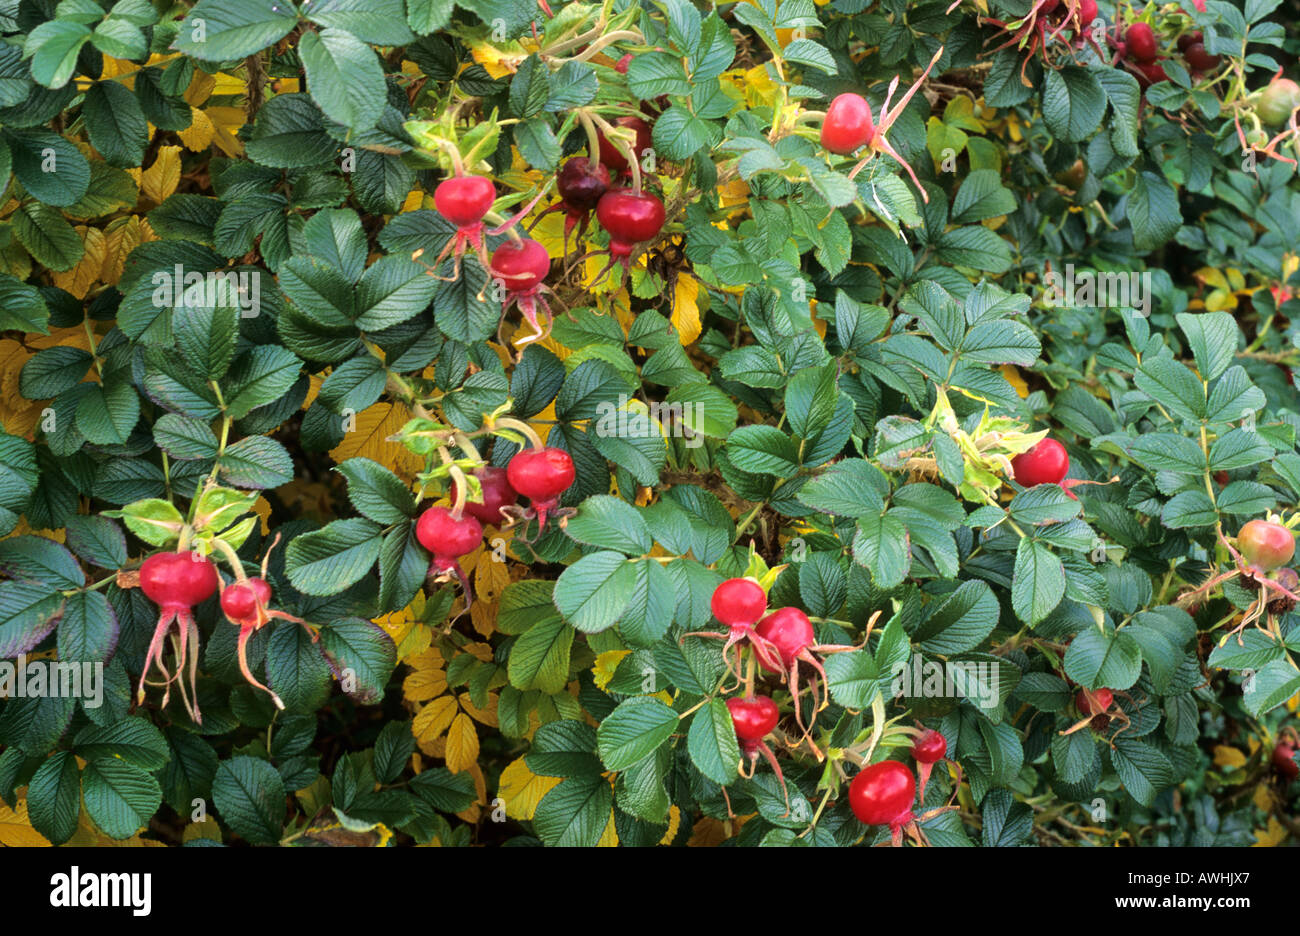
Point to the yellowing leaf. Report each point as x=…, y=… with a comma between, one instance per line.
x=226, y=122
x=686, y=310
x=433, y=720
x=462, y=744
x=603, y=669
x=1013, y=377
x=160, y=180
x=491, y=576
x=369, y=439
x=609, y=838
x=1274, y=835
x=487, y=716
x=123, y=236
x=85, y=274
x=522, y=790
x=1225, y=756
x=15, y=829
x=198, y=135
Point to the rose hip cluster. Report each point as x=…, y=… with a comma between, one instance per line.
x=542, y=474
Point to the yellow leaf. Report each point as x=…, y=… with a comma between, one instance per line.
x=369, y=439
x=603, y=669
x=123, y=236
x=198, y=135
x=686, y=310
x=208, y=829
x=226, y=122
x=1225, y=756
x=202, y=85
x=433, y=720
x=414, y=200
x=490, y=576
x=1013, y=377
x=160, y=180
x=487, y=716
x=462, y=744
x=498, y=62
x=1274, y=835
x=86, y=273
x=609, y=838
x=674, y=820
x=15, y=829
x=522, y=790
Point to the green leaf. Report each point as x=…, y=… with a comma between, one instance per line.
x=88, y=631
x=53, y=47
x=1271, y=686
x=539, y=659
x=1098, y=659
x=1143, y=769
x=362, y=657
x=54, y=798
x=133, y=740
x=391, y=291
x=575, y=812
x=961, y=622
x=633, y=730
x=376, y=492
x=218, y=30
x=327, y=561
x=48, y=238
x=344, y=77
x=982, y=196
x=593, y=593
x=249, y=795
x=881, y=544
x=256, y=462
x=1038, y=584
x=1153, y=211
x=121, y=797
x=763, y=450
x=610, y=523
x=712, y=743
x=1213, y=340
x=1073, y=102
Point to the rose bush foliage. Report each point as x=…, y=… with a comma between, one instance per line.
x=816, y=374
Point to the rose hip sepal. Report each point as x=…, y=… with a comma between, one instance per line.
x=792, y=634
x=176, y=582
x=246, y=605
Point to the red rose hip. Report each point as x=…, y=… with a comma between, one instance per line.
x=1266, y=545
x=847, y=125
x=1045, y=463
x=739, y=602
x=882, y=794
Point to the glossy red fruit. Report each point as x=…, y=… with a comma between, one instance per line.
x=1150, y=73
x=447, y=537
x=1277, y=101
x=541, y=474
x=497, y=493
x=464, y=200
x=882, y=794
x=521, y=266
x=1101, y=700
x=612, y=156
x=176, y=581
x=1266, y=545
x=1199, y=59
x=930, y=748
x=1045, y=463
x=1284, y=761
x=739, y=602
x=1087, y=13
x=1189, y=38
x=1141, y=41
x=630, y=218
x=754, y=717
x=847, y=125
x=580, y=186
x=241, y=600
x=790, y=631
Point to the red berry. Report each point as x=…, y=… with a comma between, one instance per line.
x=521, y=266
x=580, y=186
x=754, y=717
x=1150, y=73
x=541, y=474
x=1099, y=704
x=631, y=218
x=175, y=581
x=1283, y=760
x=241, y=600
x=1188, y=38
x=790, y=630
x=464, y=200
x=1045, y=463
x=1266, y=545
x=447, y=537
x=739, y=602
x=1087, y=13
x=882, y=793
x=847, y=125
x=621, y=65
x=1199, y=59
x=930, y=748
x=612, y=156
x=1141, y=43
x=497, y=493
